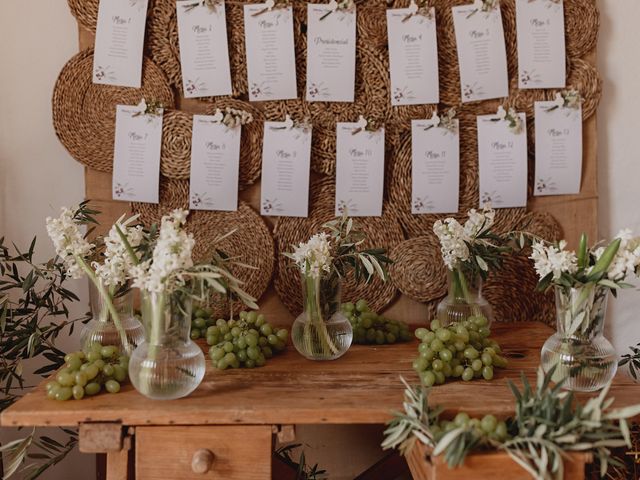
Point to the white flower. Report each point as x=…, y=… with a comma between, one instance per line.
x=627, y=259
x=69, y=242
x=549, y=259
x=501, y=113
x=452, y=242
x=479, y=222
x=117, y=265
x=314, y=256
x=171, y=256
x=558, y=101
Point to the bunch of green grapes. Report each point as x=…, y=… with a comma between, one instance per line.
x=104, y=367
x=483, y=430
x=460, y=350
x=369, y=327
x=201, y=319
x=244, y=343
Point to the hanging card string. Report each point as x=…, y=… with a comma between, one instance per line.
x=290, y=124
x=486, y=6
x=212, y=4
x=422, y=7
x=566, y=99
x=270, y=5
x=366, y=124
x=511, y=117
x=151, y=108
x=447, y=121
x=343, y=5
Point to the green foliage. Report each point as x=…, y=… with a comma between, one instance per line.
x=633, y=360
x=348, y=255
x=303, y=471
x=33, y=314
x=548, y=424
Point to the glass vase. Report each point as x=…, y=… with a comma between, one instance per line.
x=583, y=358
x=102, y=329
x=168, y=364
x=464, y=300
x=321, y=331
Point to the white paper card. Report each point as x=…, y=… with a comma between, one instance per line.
x=331, y=54
x=435, y=171
x=215, y=162
x=204, y=54
x=541, y=47
x=359, y=171
x=136, y=158
x=286, y=155
x=413, y=57
x=117, y=59
x=503, y=162
x=558, y=149
x=481, y=53
x=271, y=58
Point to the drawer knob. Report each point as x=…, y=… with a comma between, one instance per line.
x=202, y=461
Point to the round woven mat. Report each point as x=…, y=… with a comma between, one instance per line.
x=400, y=180
x=382, y=232
x=176, y=142
x=86, y=13
x=511, y=292
x=584, y=77
x=372, y=87
x=450, y=93
x=84, y=114
x=543, y=225
x=251, y=243
x=163, y=45
x=418, y=270
x=582, y=21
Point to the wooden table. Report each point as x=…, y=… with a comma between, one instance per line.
x=234, y=413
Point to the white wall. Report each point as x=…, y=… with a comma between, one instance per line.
x=37, y=175
x=619, y=146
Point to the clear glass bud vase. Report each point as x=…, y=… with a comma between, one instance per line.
x=464, y=301
x=582, y=357
x=321, y=331
x=102, y=329
x=168, y=364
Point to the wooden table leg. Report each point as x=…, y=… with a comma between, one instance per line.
x=118, y=462
x=108, y=438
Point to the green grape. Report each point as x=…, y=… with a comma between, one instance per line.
x=488, y=423
x=266, y=330
x=78, y=392
x=471, y=353
x=63, y=393
x=99, y=363
x=501, y=430
x=119, y=373
x=421, y=332
x=437, y=365
x=467, y=374
x=461, y=419
x=73, y=362
x=93, y=356
x=108, y=370
x=361, y=306
x=476, y=365
x=428, y=379
x=195, y=334
x=487, y=373
x=252, y=316
x=112, y=386
x=445, y=355
x=440, y=379
x=443, y=334
x=65, y=379
x=200, y=323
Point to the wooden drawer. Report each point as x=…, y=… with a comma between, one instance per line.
x=239, y=453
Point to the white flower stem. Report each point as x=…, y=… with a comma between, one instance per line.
x=108, y=300
x=316, y=322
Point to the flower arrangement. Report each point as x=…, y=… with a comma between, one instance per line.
x=471, y=249
x=342, y=5
x=566, y=99
x=548, y=424
x=323, y=261
x=591, y=270
x=80, y=257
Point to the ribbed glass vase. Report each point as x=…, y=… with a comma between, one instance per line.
x=321, y=331
x=168, y=364
x=580, y=353
x=102, y=329
x=464, y=300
